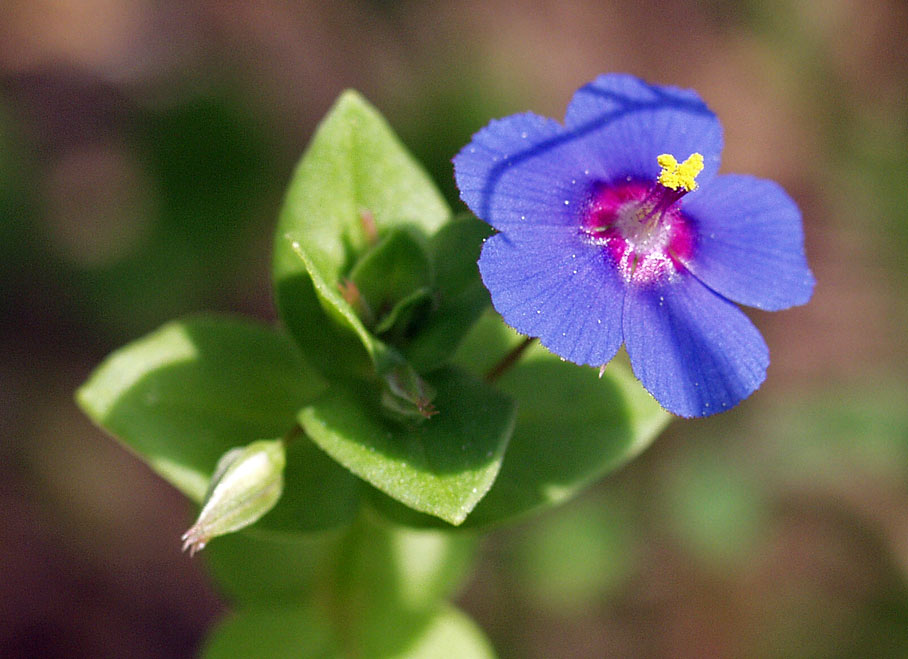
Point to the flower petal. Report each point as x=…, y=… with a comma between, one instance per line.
x=693, y=350
x=523, y=169
x=549, y=283
x=627, y=124
x=750, y=245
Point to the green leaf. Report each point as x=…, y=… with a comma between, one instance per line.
x=719, y=512
x=282, y=633
x=379, y=565
x=462, y=296
x=263, y=568
x=391, y=271
x=449, y=633
x=273, y=633
x=572, y=426
x=375, y=590
x=354, y=179
x=383, y=567
x=404, y=313
x=442, y=467
x=318, y=492
x=574, y=560
x=391, y=582
x=187, y=393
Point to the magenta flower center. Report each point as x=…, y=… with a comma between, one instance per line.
x=641, y=227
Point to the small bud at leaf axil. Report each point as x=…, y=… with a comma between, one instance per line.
x=246, y=484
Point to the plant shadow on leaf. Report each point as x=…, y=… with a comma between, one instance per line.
x=572, y=428
x=318, y=493
x=187, y=393
x=570, y=432
x=328, y=345
x=443, y=466
x=461, y=295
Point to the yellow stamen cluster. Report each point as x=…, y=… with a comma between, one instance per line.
x=677, y=175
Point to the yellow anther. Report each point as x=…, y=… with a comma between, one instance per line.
x=667, y=162
x=675, y=175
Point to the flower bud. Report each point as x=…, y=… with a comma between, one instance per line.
x=246, y=484
x=406, y=396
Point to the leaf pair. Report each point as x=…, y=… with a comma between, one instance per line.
x=187, y=394
x=371, y=589
x=366, y=252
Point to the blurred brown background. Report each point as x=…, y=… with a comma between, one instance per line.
x=144, y=147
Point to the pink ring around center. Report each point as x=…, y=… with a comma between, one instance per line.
x=642, y=229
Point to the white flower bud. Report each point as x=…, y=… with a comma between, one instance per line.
x=246, y=484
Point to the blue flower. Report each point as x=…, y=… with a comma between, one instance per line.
x=614, y=228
